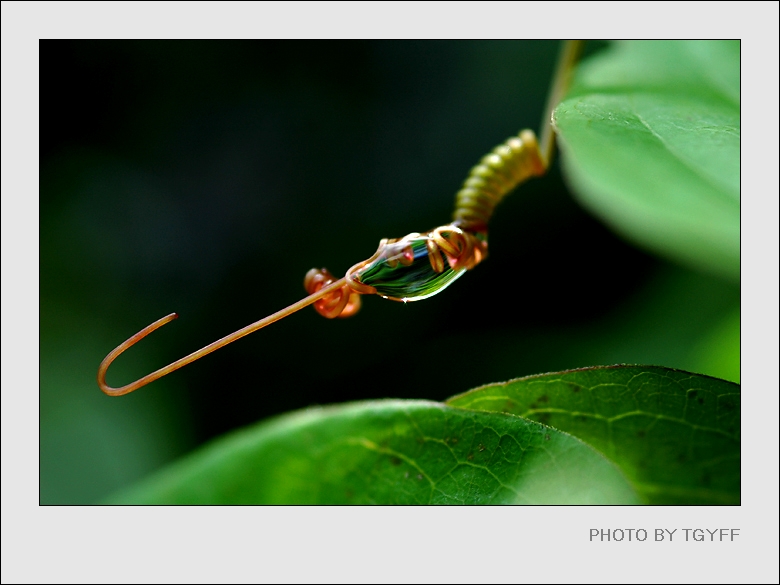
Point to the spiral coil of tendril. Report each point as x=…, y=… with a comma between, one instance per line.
x=494, y=177
x=343, y=302
x=462, y=249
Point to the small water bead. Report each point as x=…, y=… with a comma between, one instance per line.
x=404, y=272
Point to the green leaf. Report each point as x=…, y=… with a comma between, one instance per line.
x=650, y=134
x=390, y=452
x=675, y=435
x=718, y=352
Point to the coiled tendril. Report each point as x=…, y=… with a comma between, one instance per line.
x=342, y=302
x=495, y=176
x=462, y=249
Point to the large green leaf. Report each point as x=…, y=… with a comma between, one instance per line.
x=650, y=134
x=674, y=434
x=391, y=452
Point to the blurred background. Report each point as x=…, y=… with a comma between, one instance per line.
x=207, y=177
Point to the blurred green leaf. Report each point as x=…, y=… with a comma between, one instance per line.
x=651, y=138
x=675, y=435
x=390, y=452
x=718, y=353
x=90, y=444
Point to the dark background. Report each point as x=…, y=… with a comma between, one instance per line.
x=207, y=177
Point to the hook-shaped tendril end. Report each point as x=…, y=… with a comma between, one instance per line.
x=109, y=359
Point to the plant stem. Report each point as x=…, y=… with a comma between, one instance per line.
x=570, y=53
